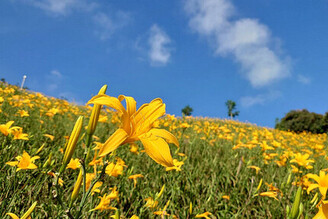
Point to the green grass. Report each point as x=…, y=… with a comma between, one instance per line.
x=208, y=173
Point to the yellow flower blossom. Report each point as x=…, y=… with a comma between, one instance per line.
x=138, y=125
x=257, y=169
x=23, y=113
x=203, y=215
x=270, y=194
x=115, y=169
x=134, y=148
x=302, y=160
x=135, y=177
x=151, y=203
x=18, y=134
x=24, y=162
x=177, y=165
x=322, y=183
x=73, y=164
x=104, y=204
x=323, y=211
x=51, y=137
x=6, y=129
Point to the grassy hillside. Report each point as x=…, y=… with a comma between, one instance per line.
x=222, y=168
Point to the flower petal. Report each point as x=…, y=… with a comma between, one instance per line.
x=131, y=106
x=313, y=176
x=311, y=187
x=12, y=163
x=113, y=142
x=106, y=100
x=13, y=216
x=168, y=136
x=157, y=149
x=147, y=114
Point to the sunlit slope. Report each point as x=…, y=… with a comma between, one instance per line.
x=222, y=167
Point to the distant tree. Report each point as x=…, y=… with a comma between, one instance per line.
x=3, y=80
x=186, y=111
x=231, y=105
x=303, y=120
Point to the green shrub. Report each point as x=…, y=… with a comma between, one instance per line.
x=303, y=120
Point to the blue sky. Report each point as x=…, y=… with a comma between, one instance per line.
x=269, y=56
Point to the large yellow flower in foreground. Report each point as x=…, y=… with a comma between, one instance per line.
x=138, y=125
x=322, y=183
x=323, y=211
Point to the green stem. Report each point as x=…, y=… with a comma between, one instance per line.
x=84, y=198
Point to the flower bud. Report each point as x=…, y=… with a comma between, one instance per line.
x=77, y=187
x=70, y=148
x=95, y=113
x=294, y=213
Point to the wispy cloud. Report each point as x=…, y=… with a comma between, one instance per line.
x=108, y=25
x=159, y=50
x=54, y=78
x=303, y=79
x=61, y=7
x=261, y=99
x=247, y=40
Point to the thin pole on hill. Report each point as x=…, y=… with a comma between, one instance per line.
x=24, y=77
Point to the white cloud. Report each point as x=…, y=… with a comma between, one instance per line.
x=53, y=80
x=108, y=25
x=303, y=79
x=159, y=52
x=56, y=73
x=61, y=7
x=247, y=40
x=261, y=99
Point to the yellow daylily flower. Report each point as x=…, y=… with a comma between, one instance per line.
x=135, y=177
x=23, y=113
x=150, y=202
x=26, y=215
x=6, y=128
x=24, y=162
x=114, y=169
x=302, y=160
x=270, y=194
x=73, y=164
x=322, y=183
x=138, y=125
x=204, y=215
x=51, y=137
x=323, y=211
x=18, y=134
x=257, y=169
x=104, y=204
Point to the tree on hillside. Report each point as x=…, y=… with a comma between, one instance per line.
x=303, y=120
x=186, y=111
x=231, y=105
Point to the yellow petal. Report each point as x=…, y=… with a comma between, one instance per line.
x=29, y=211
x=13, y=216
x=106, y=100
x=113, y=142
x=168, y=136
x=311, y=187
x=313, y=176
x=12, y=163
x=148, y=113
x=131, y=104
x=157, y=149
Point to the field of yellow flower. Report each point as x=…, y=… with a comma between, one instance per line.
x=109, y=158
